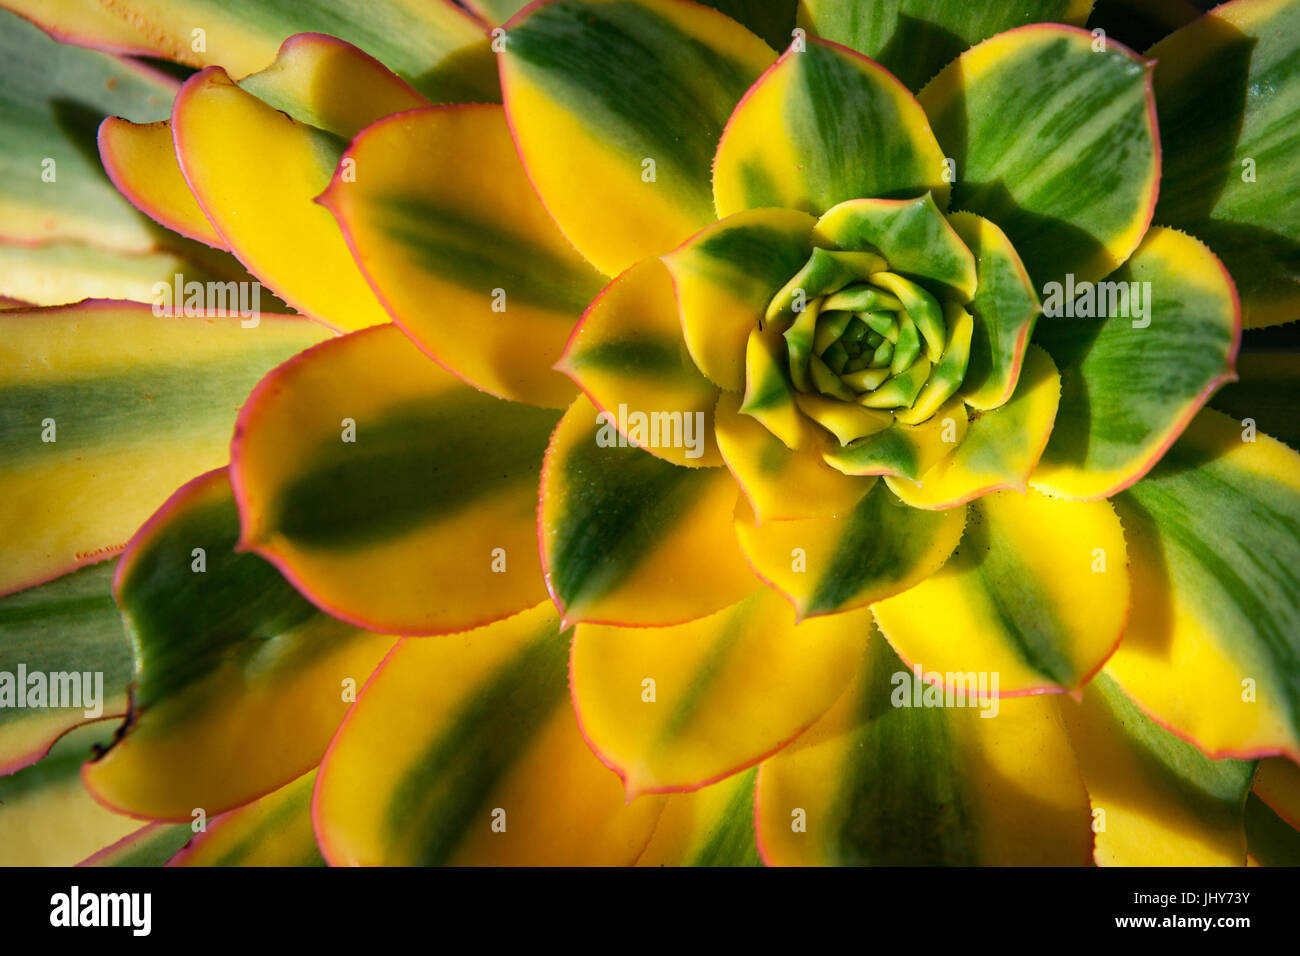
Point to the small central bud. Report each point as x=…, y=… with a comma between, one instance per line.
x=856, y=332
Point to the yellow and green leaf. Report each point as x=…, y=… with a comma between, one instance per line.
x=628, y=353
x=464, y=750
x=912, y=234
x=52, y=98
x=822, y=126
x=1129, y=386
x=151, y=845
x=886, y=779
x=1156, y=799
x=904, y=450
x=47, y=817
x=328, y=83
x=1053, y=141
x=388, y=491
x=71, y=627
x=274, y=830
x=1001, y=446
x=1213, y=534
x=105, y=409
x=628, y=538
x=616, y=107
x=140, y=159
x=438, y=47
x=445, y=226
x=255, y=173
x=232, y=698
x=1038, y=591
x=724, y=279
x=676, y=708
x=1005, y=308
x=712, y=826
x=781, y=484
x=829, y=565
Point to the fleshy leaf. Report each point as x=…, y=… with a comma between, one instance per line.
x=435, y=45
x=52, y=98
x=151, y=845
x=140, y=159
x=1157, y=800
x=104, y=409
x=83, y=23
x=822, y=126
x=1004, y=309
x=628, y=354
x=914, y=39
x=509, y=287
x=1229, y=98
x=912, y=234
x=64, y=273
x=782, y=484
x=1214, y=546
x=255, y=172
x=713, y=826
x=275, y=830
x=1038, y=591
x=327, y=83
x=1001, y=446
x=240, y=681
x=389, y=492
x=616, y=107
x=1004, y=791
x=465, y=750
x=904, y=450
x=1054, y=142
x=47, y=818
x=628, y=538
x=1130, y=385
x=828, y=565
x=725, y=277
x=678, y=707
x=69, y=626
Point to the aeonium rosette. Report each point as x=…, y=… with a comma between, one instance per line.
x=908, y=474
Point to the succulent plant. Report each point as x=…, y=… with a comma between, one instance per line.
x=653, y=449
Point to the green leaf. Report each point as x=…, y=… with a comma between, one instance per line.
x=52, y=98
x=1228, y=93
x=1053, y=141
x=68, y=626
x=1132, y=380
x=912, y=235
x=1213, y=641
x=914, y=39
